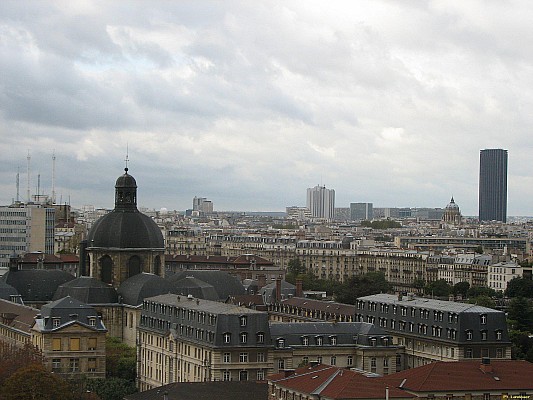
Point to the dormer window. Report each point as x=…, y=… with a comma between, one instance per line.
x=281, y=342
x=373, y=341
x=333, y=340
x=498, y=335
x=227, y=337
x=319, y=340
x=483, y=335
x=56, y=322
x=305, y=340
x=92, y=321
x=242, y=320
x=483, y=319
x=244, y=337
x=468, y=335
x=260, y=337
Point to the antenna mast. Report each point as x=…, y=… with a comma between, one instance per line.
x=28, y=158
x=54, y=177
x=18, y=183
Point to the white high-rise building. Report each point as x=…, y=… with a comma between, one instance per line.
x=321, y=202
x=26, y=229
x=201, y=204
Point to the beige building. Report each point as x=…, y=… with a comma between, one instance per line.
x=71, y=336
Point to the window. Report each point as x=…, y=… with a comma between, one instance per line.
x=319, y=359
x=499, y=353
x=483, y=318
x=305, y=340
x=92, y=321
x=498, y=335
x=281, y=363
x=74, y=365
x=468, y=335
x=242, y=320
x=483, y=335
x=333, y=360
x=56, y=344
x=486, y=396
x=333, y=341
x=244, y=337
x=468, y=353
x=226, y=358
x=385, y=361
x=227, y=337
x=260, y=337
x=305, y=360
x=281, y=342
x=74, y=344
x=56, y=322
x=56, y=364
x=91, y=344
x=226, y=375
x=350, y=361
x=260, y=375
x=373, y=362
x=91, y=365
x=260, y=357
x=373, y=342
x=243, y=357
x=243, y=375
x=319, y=340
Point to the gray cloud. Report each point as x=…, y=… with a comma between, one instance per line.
x=250, y=103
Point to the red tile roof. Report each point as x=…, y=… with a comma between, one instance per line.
x=467, y=375
x=462, y=376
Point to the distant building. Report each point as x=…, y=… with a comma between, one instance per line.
x=298, y=213
x=452, y=214
x=26, y=228
x=361, y=211
x=321, y=202
x=500, y=274
x=342, y=213
x=202, y=205
x=493, y=185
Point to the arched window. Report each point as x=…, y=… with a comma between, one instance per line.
x=157, y=266
x=106, y=269
x=134, y=266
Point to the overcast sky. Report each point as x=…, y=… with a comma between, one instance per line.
x=249, y=103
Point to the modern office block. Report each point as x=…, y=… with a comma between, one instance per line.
x=361, y=211
x=493, y=185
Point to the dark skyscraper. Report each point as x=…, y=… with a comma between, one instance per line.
x=493, y=185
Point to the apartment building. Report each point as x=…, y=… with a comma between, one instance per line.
x=471, y=267
x=500, y=274
x=327, y=259
x=434, y=330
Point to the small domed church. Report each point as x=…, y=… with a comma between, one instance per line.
x=452, y=214
x=124, y=242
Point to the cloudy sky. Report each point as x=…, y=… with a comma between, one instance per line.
x=248, y=103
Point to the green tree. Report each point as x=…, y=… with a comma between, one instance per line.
x=476, y=291
x=34, y=382
x=111, y=388
x=440, y=288
x=362, y=285
x=519, y=287
x=295, y=269
x=461, y=288
x=483, y=301
x=520, y=314
x=120, y=360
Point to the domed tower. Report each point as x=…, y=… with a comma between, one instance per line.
x=124, y=242
x=452, y=214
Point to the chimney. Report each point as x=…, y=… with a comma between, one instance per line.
x=261, y=280
x=486, y=366
x=278, y=289
x=299, y=288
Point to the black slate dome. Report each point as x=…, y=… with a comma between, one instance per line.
x=125, y=227
x=37, y=285
x=6, y=291
x=135, y=289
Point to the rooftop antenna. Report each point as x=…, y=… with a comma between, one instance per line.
x=28, y=158
x=54, y=177
x=18, y=183
x=38, y=187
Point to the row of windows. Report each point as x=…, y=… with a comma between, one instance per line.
x=74, y=344
x=243, y=337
